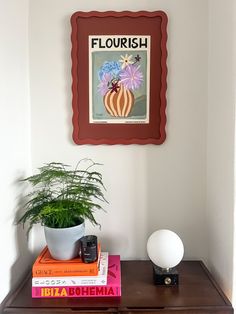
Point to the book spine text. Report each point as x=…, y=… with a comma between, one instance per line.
x=69, y=281
x=57, y=272
x=76, y=291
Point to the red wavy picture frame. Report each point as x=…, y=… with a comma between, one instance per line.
x=93, y=34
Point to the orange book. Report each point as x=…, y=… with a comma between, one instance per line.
x=46, y=266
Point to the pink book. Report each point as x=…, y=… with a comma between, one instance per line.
x=112, y=289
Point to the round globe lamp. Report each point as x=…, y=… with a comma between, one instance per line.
x=165, y=249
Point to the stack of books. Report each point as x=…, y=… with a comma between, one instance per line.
x=65, y=279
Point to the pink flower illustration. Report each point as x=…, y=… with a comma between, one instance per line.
x=103, y=86
x=131, y=77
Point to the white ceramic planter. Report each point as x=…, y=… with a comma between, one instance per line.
x=63, y=243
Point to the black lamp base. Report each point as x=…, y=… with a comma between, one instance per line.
x=165, y=277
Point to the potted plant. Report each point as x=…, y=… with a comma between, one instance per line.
x=61, y=200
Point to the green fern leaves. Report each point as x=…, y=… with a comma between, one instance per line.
x=62, y=197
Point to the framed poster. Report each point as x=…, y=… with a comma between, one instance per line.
x=119, y=77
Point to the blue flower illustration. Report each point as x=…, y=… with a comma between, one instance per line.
x=111, y=67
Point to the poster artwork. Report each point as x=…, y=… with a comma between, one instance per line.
x=119, y=79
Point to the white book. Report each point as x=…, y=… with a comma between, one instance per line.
x=99, y=280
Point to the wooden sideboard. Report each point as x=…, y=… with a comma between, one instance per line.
x=197, y=293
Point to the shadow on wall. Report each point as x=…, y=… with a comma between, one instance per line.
x=24, y=257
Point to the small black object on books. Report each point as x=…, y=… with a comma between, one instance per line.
x=165, y=276
x=89, y=248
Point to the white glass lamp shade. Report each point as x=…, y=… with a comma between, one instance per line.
x=165, y=248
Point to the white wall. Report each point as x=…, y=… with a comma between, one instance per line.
x=14, y=137
x=220, y=140
x=149, y=187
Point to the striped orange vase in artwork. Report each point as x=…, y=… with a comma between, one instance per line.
x=119, y=102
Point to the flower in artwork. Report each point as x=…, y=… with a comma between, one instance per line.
x=126, y=60
x=110, y=67
x=131, y=77
x=137, y=58
x=103, y=86
x=114, y=86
